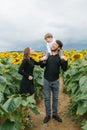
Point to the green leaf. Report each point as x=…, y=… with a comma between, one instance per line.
x=9, y=105
x=10, y=125
x=17, y=101
x=3, y=80
x=1, y=97
x=84, y=127
x=83, y=84
x=4, y=111
x=24, y=102
x=40, y=81
x=30, y=99
x=81, y=109
x=34, y=109
x=2, y=88
x=13, y=103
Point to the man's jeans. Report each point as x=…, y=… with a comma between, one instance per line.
x=48, y=87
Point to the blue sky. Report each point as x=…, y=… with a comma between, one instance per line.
x=24, y=22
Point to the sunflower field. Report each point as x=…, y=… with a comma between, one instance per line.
x=15, y=108
x=75, y=81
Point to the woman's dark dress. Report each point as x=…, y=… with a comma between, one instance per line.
x=26, y=69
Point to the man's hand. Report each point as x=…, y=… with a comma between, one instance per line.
x=63, y=57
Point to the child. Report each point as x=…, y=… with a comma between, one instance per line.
x=50, y=40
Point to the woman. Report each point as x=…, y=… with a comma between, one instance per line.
x=26, y=70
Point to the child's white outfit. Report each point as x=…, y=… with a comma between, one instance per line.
x=49, y=46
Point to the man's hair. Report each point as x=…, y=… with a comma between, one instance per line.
x=60, y=44
x=48, y=35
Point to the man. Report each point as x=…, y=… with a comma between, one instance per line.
x=51, y=80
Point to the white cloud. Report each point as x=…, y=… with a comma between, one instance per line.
x=29, y=20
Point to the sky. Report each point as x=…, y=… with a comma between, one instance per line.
x=25, y=22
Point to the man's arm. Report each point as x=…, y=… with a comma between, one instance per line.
x=64, y=63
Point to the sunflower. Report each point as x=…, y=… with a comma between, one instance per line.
x=14, y=54
x=4, y=70
x=36, y=56
x=16, y=61
x=66, y=55
x=84, y=52
x=3, y=54
x=77, y=56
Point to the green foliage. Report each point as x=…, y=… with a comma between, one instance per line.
x=84, y=123
x=11, y=125
x=83, y=84
x=38, y=81
x=75, y=80
x=14, y=107
x=9, y=78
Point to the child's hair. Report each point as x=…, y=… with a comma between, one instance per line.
x=48, y=35
x=59, y=43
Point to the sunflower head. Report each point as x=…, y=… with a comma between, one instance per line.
x=4, y=70
x=16, y=61
x=77, y=56
x=36, y=56
x=14, y=54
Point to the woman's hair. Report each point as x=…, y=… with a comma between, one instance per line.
x=27, y=53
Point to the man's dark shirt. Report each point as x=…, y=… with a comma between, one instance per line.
x=52, y=67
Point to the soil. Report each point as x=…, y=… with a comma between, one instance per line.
x=67, y=123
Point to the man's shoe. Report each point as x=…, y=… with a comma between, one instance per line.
x=56, y=117
x=46, y=119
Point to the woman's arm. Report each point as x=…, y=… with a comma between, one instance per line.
x=36, y=62
x=42, y=63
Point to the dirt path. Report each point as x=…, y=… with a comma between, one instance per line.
x=67, y=124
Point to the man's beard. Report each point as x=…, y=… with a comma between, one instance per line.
x=53, y=50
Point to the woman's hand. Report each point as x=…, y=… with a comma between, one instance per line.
x=30, y=77
x=43, y=58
